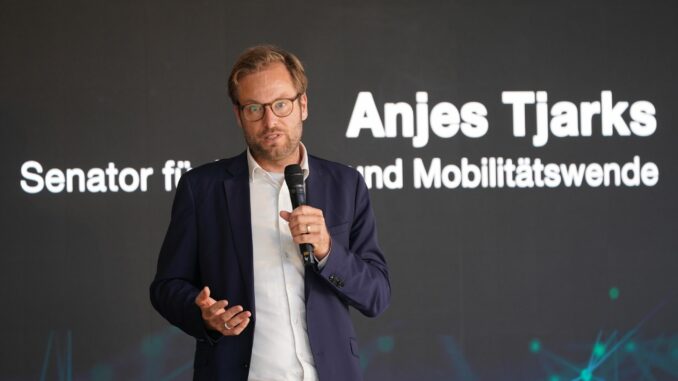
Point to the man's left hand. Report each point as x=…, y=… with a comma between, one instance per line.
x=307, y=225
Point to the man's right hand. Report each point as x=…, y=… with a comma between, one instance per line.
x=228, y=322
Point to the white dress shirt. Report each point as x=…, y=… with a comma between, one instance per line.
x=281, y=349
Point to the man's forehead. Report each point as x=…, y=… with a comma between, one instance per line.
x=271, y=82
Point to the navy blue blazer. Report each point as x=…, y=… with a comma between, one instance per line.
x=209, y=243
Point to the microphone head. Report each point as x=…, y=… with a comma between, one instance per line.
x=294, y=175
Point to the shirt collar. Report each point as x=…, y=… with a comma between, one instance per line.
x=254, y=167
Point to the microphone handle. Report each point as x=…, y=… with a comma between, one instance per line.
x=298, y=197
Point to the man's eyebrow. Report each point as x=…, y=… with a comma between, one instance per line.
x=249, y=101
x=253, y=101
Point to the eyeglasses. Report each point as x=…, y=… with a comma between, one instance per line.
x=280, y=107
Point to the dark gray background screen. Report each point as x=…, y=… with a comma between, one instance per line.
x=570, y=278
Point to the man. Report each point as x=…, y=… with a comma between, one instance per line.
x=230, y=272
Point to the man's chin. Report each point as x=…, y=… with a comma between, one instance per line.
x=274, y=155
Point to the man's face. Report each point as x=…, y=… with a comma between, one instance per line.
x=273, y=141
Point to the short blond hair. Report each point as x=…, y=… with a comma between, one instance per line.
x=256, y=58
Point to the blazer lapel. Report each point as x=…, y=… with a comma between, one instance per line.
x=315, y=192
x=237, y=193
x=315, y=197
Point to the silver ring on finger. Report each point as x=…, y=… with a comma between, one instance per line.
x=226, y=326
x=308, y=229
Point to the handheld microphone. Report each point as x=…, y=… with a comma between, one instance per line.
x=294, y=177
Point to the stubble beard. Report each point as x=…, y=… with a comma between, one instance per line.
x=275, y=154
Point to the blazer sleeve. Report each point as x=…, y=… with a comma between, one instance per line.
x=358, y=272
x=177, y=281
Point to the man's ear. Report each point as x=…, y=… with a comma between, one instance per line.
x=303, y=105
x=236, y=111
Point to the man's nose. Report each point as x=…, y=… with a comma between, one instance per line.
x=269, y=119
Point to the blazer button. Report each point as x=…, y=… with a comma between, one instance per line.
x=246, y=365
